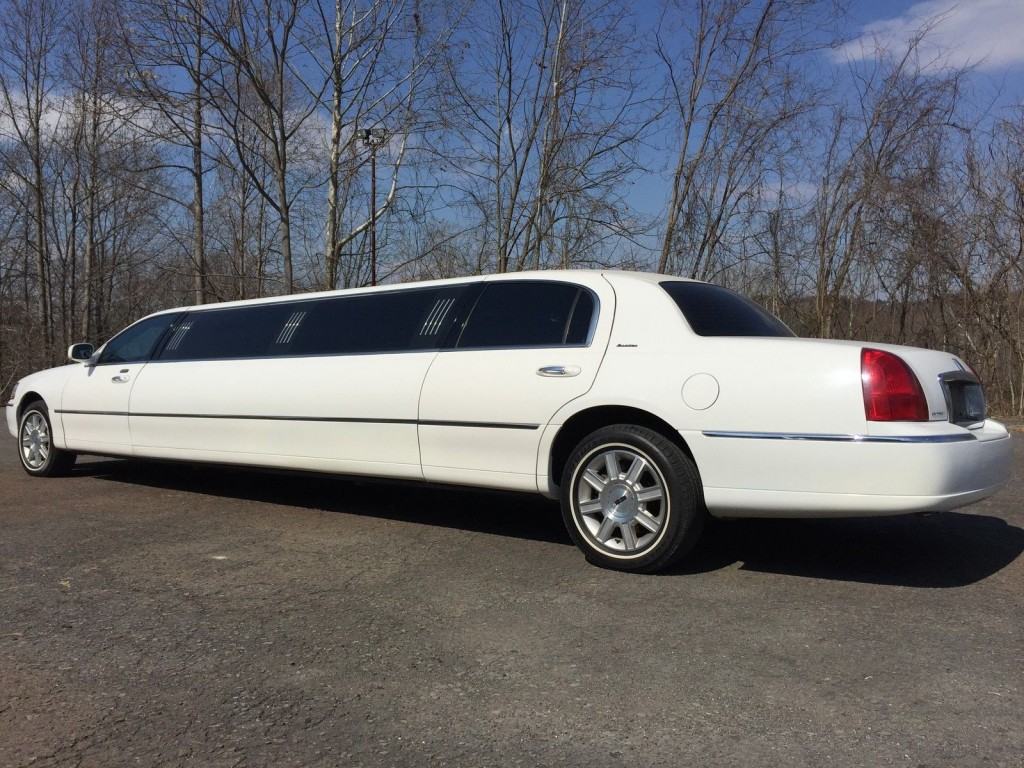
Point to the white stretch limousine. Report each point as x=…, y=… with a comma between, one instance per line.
x=642, y=402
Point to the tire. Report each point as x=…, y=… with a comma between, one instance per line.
x=39, y=457
x=646, y=518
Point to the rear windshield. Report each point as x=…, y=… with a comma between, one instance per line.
x=715, y=311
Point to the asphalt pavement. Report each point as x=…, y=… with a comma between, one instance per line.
x=161, y=614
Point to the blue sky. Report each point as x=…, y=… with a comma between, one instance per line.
x=987, y=35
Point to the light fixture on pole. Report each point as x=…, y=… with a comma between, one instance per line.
x=373, y=138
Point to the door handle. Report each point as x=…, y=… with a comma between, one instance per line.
x=122, y=377
x=559, y=370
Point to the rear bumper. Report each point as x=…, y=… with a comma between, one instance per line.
x=755, y=475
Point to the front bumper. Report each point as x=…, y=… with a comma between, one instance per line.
x=844, y=476
x=12, y=419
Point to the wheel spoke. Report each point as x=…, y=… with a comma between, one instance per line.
x=628, y=536
x=611, y=464
x=648, y=521
x=590, y=507
x=594, y=480
x=606, y=529
x=635, y=470
x=650, y=494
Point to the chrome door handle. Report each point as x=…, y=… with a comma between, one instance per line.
x=121, y=378
x=559, y=370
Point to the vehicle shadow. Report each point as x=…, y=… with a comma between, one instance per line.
x=940, y=550
x=500, y=513
x=944, y=550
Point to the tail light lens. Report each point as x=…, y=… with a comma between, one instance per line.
x=891, y=390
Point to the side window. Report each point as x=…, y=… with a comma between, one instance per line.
x=582, y=319
x=219, y=334
x=524, y=313
x=381, y=322
x=135, y=343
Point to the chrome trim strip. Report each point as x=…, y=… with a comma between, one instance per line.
x=837, y=438
x=333, y=419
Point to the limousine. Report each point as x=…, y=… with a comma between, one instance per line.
x=642, y=402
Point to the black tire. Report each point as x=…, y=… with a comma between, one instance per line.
x=57, y=462
x=679, y=512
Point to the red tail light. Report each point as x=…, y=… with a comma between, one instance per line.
x=891, y=390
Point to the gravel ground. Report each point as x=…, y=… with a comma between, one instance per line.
x=170, y=615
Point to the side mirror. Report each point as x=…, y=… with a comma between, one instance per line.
x=80, y=353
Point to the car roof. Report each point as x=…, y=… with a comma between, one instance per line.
x=570, y=275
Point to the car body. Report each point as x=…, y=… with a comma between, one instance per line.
x=496, y=381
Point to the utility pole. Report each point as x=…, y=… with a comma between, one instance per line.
x=373, y=138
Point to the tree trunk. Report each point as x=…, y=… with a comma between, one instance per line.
x=198, y=230
x=331, y=250
x=41, y=250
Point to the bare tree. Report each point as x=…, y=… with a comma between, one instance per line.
x=733, y=86
x=898, y=107
x=542, y=119
x=29, y=39
x=166, y=42
x=255, y=51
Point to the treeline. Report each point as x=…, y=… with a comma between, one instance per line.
x=165, y=152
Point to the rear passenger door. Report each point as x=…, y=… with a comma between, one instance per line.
x=329, y=384
x=527, y=348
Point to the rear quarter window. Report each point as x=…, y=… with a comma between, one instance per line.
x=715, y=311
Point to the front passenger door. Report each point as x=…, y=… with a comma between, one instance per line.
x=94, y=405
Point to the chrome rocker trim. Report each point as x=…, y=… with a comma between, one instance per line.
x=949, y=438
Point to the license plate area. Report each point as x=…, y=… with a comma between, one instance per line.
x=965, y=399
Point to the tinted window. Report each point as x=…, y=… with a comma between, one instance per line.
x=715, y=311
x=135, y=343
x=529, y=314
x=582, y=319
x=383, y=322
x=219, y=334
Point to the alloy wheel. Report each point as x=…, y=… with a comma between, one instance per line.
x=35, y=440
x=621, y=500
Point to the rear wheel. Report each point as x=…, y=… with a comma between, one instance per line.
x=35, y=444
x=632, y=499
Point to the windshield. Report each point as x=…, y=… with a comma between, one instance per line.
x=715, y=311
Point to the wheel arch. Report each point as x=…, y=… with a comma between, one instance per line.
x=29, y=397
x=583, y=422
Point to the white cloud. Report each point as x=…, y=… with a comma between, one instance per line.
x=986, y=34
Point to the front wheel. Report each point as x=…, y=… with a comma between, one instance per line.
x=632, y=500
x=35, y=444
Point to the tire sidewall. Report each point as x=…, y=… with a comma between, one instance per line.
x=684, y=511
